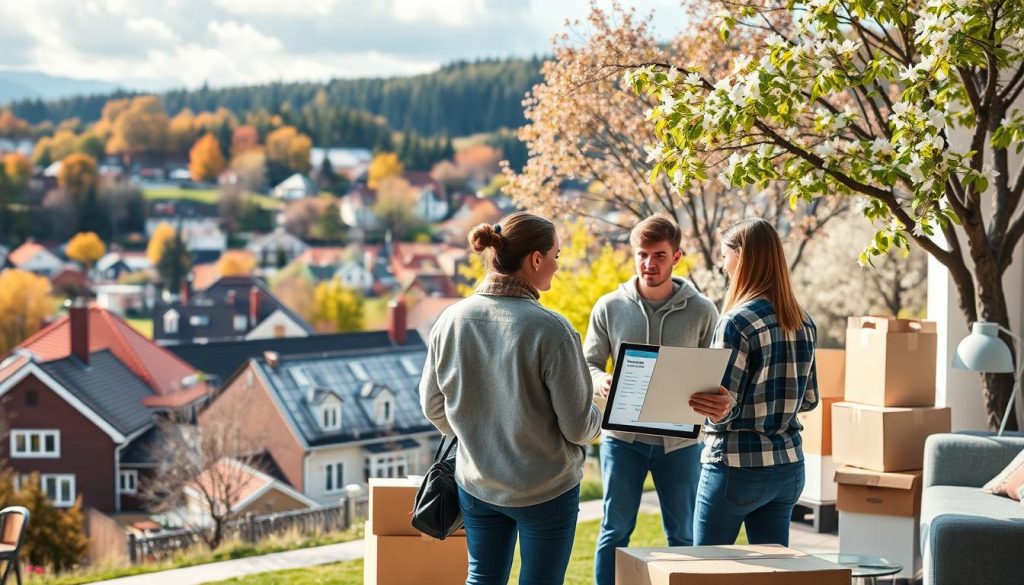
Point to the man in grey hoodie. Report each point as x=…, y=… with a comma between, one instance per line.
x=655, y=308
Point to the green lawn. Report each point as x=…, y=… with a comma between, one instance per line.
x=581, y=565
x=142, y=325
x=208, y=196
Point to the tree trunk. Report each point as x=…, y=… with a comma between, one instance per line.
x=996, y=388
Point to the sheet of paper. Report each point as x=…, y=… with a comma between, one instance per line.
x=637, y=369
x=678, y=373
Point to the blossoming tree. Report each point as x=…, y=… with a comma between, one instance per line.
x=912, y=109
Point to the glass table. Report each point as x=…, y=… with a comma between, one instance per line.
x=866, y=568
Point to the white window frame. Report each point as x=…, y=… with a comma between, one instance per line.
x=133, y=476
x=199, y=321
x=59, y=478
x=241, y=323
x=28, y=453
x=171, y=319
x=334, y=477
x=385, y=411
x=330, y=417
x=389, y=465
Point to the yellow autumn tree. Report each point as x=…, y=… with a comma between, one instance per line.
x=289, y=148
x=141, y=127
x=181, y=131
x=205, y=160
x=17, y=168
x=86, y=248
x=236, y=263
x=337, y=306
x=25, y=302
x=384, y=165
x=78, y=175
x=162, y=234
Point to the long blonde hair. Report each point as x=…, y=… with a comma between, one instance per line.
x=762, y=271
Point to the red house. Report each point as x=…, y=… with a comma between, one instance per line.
x=81, y=400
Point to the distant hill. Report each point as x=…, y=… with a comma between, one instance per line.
x=459, y=99
x=22, y=85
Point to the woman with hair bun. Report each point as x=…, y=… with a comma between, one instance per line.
x=507, y=377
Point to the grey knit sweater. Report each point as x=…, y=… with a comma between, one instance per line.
x=507, y=377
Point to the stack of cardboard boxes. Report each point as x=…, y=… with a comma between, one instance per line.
x=819, y=493
x=398, y=554
x=878, y=436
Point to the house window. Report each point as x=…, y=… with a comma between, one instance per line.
x=199, y=320
x=330, y=418
x=171, y=322
x=35, y=444
x=241, y=322
x=334, y=480
x=129, y=483
x=60, y=488
x=385, y=412
x=386, y=466
x=278, y=330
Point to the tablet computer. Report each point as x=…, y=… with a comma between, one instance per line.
x=634, y=367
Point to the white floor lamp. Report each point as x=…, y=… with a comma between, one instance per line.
x=984, y=351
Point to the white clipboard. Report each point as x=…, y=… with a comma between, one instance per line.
x=680, y=372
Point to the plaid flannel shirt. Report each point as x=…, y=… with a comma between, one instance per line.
x=771, y=376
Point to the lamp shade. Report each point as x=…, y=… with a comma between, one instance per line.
x=983, y=350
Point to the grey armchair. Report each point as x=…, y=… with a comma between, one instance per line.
x=967, y=536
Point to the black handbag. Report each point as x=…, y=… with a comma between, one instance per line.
x=436, y=511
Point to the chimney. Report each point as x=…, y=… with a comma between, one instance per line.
x=186, y=289
x=254, y=306
x=396, y=321
x=78, y=315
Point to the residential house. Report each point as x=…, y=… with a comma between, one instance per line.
x=247, y=489
x=199, y=224
x=356, y=276
x=35, y=257
x=81, y=397
x=334, y=418
x=277, y=248
x=23, y=146
x=473, y=211
x=350, y=162
x=356, y=209
x=70, y=282
x=114, y=265
x=295, y=187
x=125, y=300
x=4, y=251
x=431, y=204
x=220, y=360
x=232, y=308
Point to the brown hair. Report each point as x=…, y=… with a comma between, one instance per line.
x=762, y=271
x=512, y=239
x=654, y=230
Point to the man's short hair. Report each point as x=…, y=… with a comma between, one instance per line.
x=654, y=230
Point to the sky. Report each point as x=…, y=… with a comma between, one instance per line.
x=161, y=44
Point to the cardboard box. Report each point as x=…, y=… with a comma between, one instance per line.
x=817, y=423
x=890, y=362
x=884, y=439
x=390, y=511
x=894, y=538
x=819, y=473
x=874, y=492
x=724, y=565
x=414, y=560
x=830, y=367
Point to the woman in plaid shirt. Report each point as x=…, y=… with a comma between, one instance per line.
x=753, y=468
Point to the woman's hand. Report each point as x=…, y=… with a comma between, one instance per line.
x=714, y=405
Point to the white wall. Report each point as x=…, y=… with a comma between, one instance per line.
x=265, y=330
x=960, y=389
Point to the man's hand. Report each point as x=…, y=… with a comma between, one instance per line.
x=606, y=387
x=714, y=405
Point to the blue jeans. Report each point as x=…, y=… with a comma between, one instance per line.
x=761, y=497
x=624, y=467
x=546, y=532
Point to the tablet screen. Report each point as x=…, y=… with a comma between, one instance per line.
x=634, y=367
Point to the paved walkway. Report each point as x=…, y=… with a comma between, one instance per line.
x=801, y=538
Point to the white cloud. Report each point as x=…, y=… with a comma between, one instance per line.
x=453, y=13
x=244, y=36
x=150, y=27
x=277, y=7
